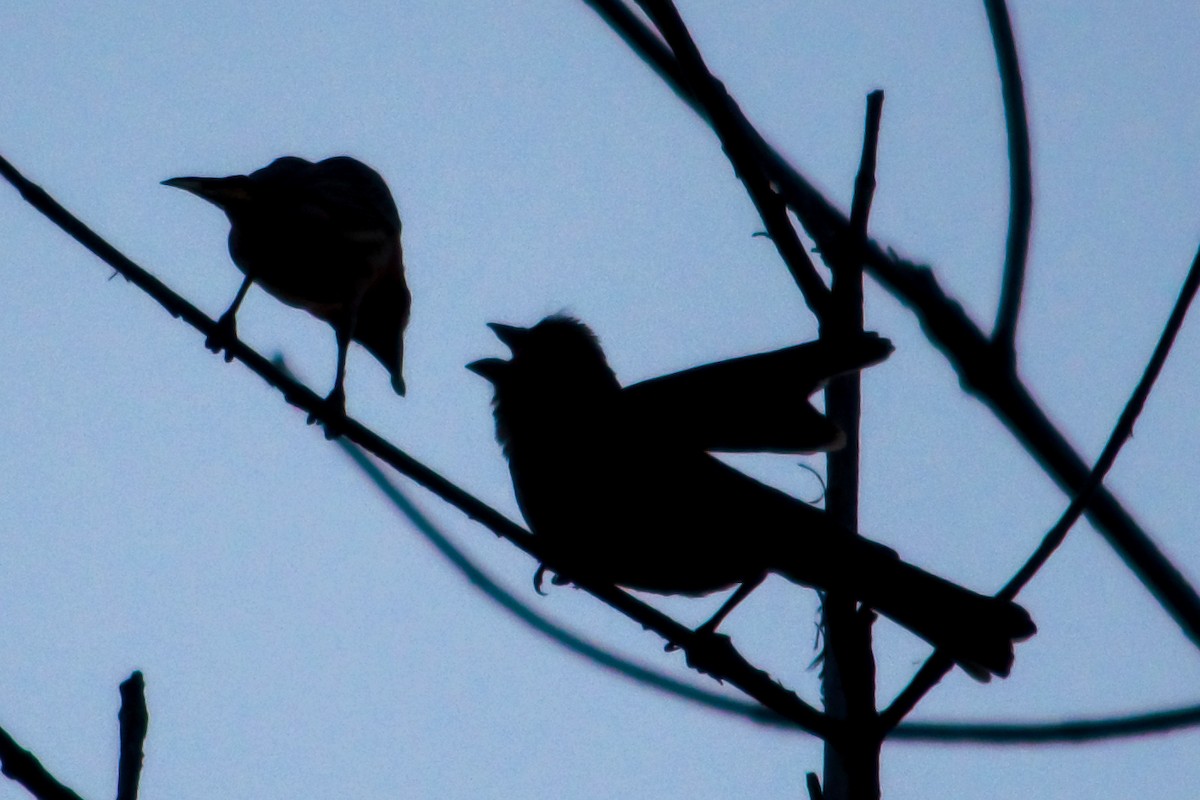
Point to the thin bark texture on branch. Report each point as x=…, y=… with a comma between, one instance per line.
x=970, y=353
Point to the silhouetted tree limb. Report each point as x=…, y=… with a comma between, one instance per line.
x=848, y=665
x=938, y=665
x=714, y=656
x=1020, y=179
x=1080, y=731
x=23, y=767
x=982, y=372
x=729, y=123
x=134, y=721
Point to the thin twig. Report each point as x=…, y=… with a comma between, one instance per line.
x=1020, y=178
x=134, y=721
x=729, y=123
x=938, y=665
x=714, y=657
x=969, y=352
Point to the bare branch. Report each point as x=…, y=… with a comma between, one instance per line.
x=937, y=666
x=1020, y=179
x=711, y=655
x=134, y=721
x=729, y=123
x=1068, y=732
x=23, y=767
x=848, y=677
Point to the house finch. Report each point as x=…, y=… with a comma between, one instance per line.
x=620, y=497
x=324, y=237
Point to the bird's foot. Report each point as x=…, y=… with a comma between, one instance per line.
x=331, y=413
x=705, y=631
x=709, y=652
x=223, y=336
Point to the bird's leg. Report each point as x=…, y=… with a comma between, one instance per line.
x=737, y=597
x=335, y=403
x=225, y=333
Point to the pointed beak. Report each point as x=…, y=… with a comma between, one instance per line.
x=511, y=335
x=491, y=368
x=218, y=191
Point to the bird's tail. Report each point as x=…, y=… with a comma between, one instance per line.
x=976, y=631
x=382, y=318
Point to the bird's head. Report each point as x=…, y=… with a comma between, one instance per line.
x=238, y=193
x=557, y=375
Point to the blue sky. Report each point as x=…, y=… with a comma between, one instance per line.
x=164, y=511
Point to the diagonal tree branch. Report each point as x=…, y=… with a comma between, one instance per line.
x=23, y=767
x=714, y=656
x=729, y=123
x=938, y=665
x=1020, y=179
x=991, y=379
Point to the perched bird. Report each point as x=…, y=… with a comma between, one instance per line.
x=625, y=498
x=324, y=237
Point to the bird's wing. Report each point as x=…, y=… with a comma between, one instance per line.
x=757, y=403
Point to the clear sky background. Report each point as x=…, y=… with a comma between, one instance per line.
x=164, y=511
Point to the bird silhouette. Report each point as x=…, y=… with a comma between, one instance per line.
x=324, y=237
x=624, y=496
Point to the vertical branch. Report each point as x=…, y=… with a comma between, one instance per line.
x=851, y=764
x=134, y=720
x=1020, y=179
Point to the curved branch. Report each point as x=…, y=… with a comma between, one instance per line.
x=1020, y=178
x=1081, y=731
x=712, y=655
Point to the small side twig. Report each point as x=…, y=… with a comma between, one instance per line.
x=134, y=720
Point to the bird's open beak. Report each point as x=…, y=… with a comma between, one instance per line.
x=491, y=368
x=219, y=191
x=511, y=335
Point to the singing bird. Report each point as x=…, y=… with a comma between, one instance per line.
x=619, y=495
x=324, y=237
